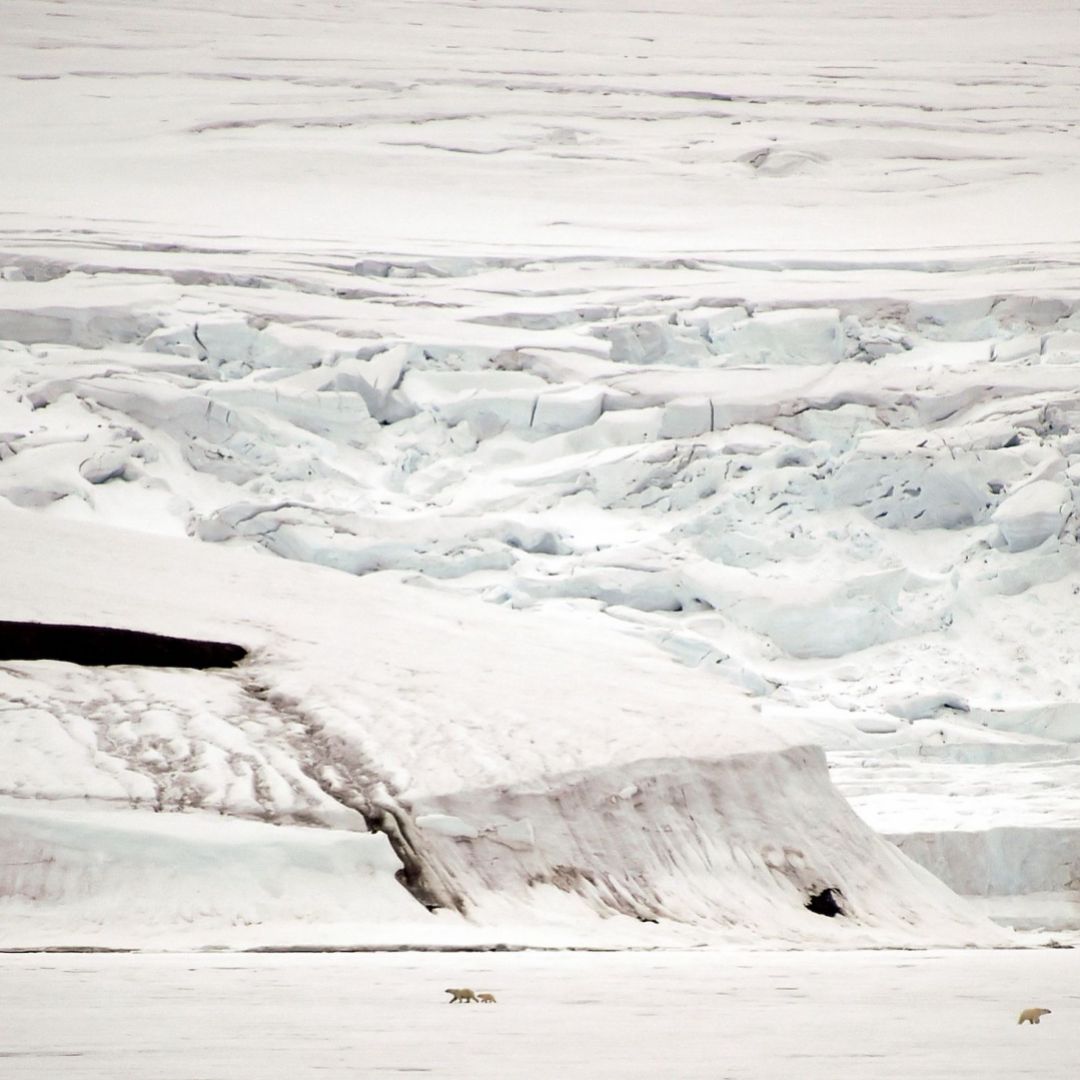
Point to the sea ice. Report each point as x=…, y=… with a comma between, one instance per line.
x=691, y=1015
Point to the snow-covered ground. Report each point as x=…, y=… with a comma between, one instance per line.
x=691, y=1015
x=683, y=386
x=856, y=126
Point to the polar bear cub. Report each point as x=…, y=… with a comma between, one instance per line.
x=1032, y=1015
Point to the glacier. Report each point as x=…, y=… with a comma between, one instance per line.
x=639, y=466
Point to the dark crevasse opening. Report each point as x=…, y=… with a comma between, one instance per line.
x=103, y=645
x=826, y=902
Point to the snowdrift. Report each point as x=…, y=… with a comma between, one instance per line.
x=410, y=750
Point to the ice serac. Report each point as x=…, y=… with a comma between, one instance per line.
x=1034, y=514
x=501, y=776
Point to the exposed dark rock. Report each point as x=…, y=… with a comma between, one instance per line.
x=102, y=645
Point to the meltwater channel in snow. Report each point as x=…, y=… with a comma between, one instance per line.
x=621, y=462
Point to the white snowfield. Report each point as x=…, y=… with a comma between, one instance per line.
x=654, y=395
x=693, y=1014
x=857, y=126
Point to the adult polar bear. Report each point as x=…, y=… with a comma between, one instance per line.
x=1032, y=1015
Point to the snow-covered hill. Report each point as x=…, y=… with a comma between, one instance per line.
x=668, y=399
x=514, y=767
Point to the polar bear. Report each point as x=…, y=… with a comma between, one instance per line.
x=461, y=993
x=487, y=999
x=1032, y=1015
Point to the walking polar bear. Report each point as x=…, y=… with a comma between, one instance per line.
x=1032, y=1015
x=464, y=994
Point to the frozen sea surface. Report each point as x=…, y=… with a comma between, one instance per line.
x=676, y=1015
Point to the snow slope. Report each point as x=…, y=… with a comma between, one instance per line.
x=519, y=765
x=734, y=349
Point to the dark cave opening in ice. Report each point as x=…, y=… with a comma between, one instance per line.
x=826, y=902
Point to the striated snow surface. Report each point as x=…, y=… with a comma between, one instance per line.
x=656, y=394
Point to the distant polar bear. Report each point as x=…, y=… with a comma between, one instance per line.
x=487, y=999
x=1032, y=1015
x=461, y=993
